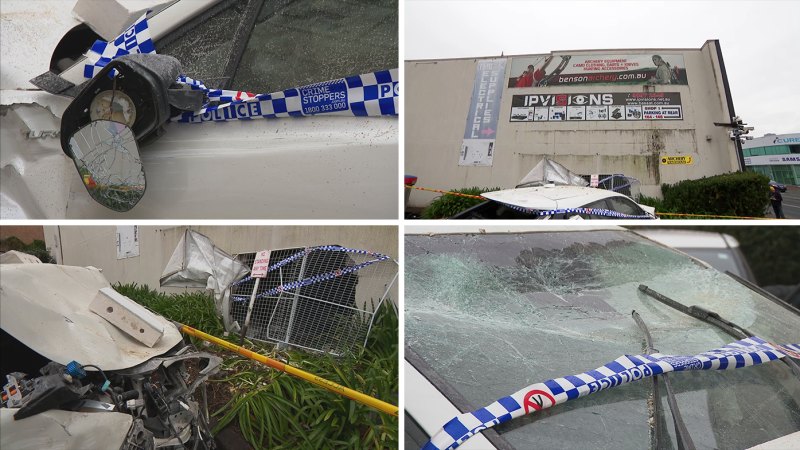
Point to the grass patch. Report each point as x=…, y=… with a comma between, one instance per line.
x=191, y=308
x=277, y=411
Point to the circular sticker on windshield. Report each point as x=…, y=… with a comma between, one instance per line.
x=536, y=399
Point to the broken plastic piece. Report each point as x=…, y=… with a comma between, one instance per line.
x=128, y=316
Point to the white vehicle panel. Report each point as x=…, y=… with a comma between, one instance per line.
x=550, y=197
x=688, y=238
x=63, y=430
x=30, y=32
x=61, y=306
x=431, y=410
x=299, y=168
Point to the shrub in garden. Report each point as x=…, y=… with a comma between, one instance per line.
x=449, y=205
x=37, y=248
x=743, y=194
x=277, y=411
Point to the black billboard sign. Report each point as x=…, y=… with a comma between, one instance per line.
x=596, y=106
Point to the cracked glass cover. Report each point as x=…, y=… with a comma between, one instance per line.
x=493, y=313
x=107, y=159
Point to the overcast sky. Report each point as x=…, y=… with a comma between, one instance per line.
x=760, y=40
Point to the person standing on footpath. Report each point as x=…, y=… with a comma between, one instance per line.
x=776, y=199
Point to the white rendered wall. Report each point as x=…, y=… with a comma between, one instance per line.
x=437, y=97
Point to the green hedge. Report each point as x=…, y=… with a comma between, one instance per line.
x=37, y=248
x=743, y=194
x=449, y=205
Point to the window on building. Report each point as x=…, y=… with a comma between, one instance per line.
x=794, y=149
x=783, y=174
x=777, y=150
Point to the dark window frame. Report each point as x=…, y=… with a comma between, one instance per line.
x=241, y=36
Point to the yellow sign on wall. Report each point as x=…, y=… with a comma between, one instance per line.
x=682, y=159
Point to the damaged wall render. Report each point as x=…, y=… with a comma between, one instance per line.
x=439, y=98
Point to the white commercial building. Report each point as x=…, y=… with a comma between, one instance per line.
x=776, y=156
x=644, y=113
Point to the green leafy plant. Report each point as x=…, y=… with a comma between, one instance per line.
x=656, y=203
x=742, y=194
x=449, y=205
x=277, y=411
x=192, y=308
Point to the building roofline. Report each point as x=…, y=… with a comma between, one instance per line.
x=556, y=52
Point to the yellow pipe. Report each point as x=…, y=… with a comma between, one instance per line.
x=294, y=371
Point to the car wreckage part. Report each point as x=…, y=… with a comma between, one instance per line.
x=372, y=94
x=712, y=318
x=321, y=298
x=625, y=369
x=316, y=278
x=156, y=394
x=336, y=388
x=131, y=85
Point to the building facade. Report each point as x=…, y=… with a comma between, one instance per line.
x=645, y=113
x=776, y=156
x=138, y=254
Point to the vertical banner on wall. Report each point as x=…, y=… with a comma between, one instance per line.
x=478, y=146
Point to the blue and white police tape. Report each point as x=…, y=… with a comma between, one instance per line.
x=625, y=369
x=309, y=250
x=136, y=39
x=590, y=211
x=312, y=279
x=371, y=94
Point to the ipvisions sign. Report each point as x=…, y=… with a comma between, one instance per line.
x=597, y=106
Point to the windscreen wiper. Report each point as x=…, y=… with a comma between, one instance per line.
x=684, y=439
x=712, y=318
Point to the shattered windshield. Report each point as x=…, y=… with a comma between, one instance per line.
x=295, y=43
x=292, y=43
x=492, y=313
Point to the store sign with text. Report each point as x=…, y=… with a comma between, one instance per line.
x=596, y=106
x=559, y=70
x=770, y=160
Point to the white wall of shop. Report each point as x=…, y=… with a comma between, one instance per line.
x=438, y=97
x=97, y=245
